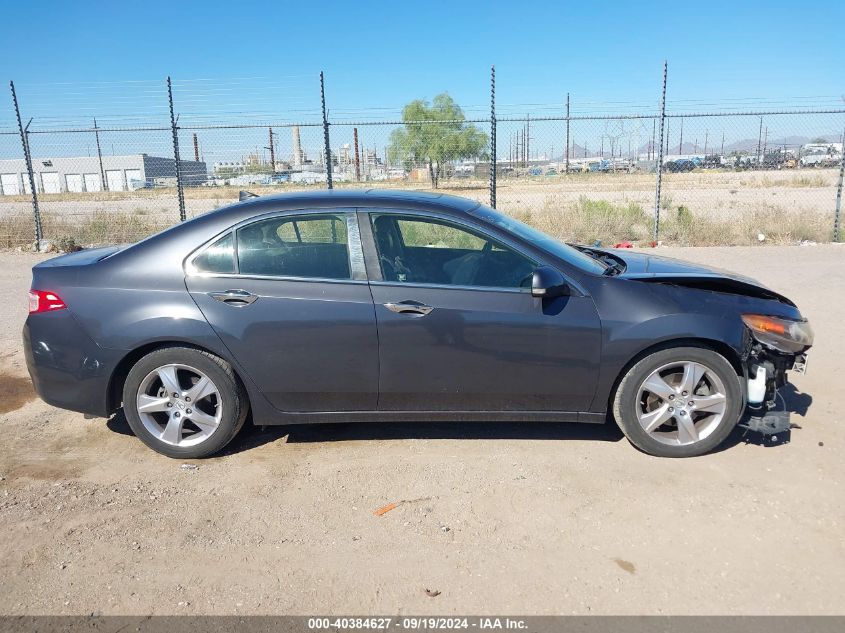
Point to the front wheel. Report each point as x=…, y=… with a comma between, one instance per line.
x=184, y=402
x=679, y=402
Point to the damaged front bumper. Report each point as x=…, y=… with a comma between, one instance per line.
x=766, y=372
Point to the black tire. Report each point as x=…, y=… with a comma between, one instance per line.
x=626, y=401
x=233, y=399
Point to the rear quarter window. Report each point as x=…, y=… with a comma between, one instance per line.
x=217, y=258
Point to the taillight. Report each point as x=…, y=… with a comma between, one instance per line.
x=44, y=301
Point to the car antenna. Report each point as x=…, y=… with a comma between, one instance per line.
x=246, y=195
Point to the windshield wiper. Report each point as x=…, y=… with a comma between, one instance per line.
x=613, y=267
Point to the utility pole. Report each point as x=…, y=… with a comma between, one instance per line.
x=765, y=141
x=103, y=183
x=681, y=141
x=567, y=133
x=528, y=140
x=652, y=147
x=197, y=146
x=706, y=134
x=759, y=141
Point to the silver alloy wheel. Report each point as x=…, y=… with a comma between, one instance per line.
x=179, y=405
x=681, y=403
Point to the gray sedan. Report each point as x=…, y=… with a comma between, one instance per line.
x=372, y=306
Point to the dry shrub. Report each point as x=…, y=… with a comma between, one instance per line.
x=584, y=220
x=98, y=227
x=590, y=220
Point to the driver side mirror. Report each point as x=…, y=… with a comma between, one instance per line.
x=548, y=283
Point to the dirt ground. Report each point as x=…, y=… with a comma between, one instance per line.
x=501, y=518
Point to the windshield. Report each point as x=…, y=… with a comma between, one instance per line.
x=541, y=240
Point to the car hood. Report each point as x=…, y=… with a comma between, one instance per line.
x=658, y=269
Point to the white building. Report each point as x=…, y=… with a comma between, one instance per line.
x=83, y=174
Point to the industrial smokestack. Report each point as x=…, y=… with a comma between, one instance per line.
x=297, y=146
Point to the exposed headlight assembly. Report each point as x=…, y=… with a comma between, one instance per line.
x=784, y=335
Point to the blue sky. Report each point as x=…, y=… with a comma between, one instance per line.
x=384, y=54
x=259, y=62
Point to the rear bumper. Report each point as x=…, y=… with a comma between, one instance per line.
x=68, y=369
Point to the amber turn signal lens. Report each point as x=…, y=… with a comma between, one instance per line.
x=762, y=323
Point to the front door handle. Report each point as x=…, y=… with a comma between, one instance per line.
x=409, y=307
x=235, y=298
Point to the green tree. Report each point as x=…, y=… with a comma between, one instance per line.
x=425, y=138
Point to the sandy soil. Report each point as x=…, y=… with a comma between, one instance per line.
x=503, y=518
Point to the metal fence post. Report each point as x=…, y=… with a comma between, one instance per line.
x=328, y=158
x=36, y=212
x=659, y=169
x=493, y=152
x=567, y=134
x=836, y=215
x=179, y=192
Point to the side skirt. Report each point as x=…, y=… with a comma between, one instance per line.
x=329, y=417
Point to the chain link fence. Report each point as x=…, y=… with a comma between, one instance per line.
x=725, y=177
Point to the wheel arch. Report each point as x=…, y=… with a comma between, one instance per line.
x=720, y=347
x=122, y=369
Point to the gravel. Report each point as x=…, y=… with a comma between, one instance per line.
x=495, y=518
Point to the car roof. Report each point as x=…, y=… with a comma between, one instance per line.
x=173, y=244
x=379, y=198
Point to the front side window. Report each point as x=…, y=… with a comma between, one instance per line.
x=431, y=251
x=295, y=246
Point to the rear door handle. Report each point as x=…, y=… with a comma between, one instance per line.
x=409, y=307
x=235, y=298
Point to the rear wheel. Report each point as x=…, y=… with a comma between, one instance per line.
x=183, y=402
x=679, y=402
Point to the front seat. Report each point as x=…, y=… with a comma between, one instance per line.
x=463, y=270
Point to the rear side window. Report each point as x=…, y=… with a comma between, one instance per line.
x=295, y=246
x=217, y=258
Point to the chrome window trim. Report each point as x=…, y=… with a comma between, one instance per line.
x=322, y=280
x=400, y=284
x=355, y=248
